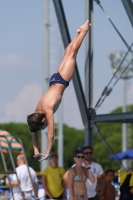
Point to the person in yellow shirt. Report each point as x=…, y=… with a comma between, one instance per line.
x=52, y=179
x=126, y=186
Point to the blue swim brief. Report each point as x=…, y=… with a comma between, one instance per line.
x=56, y=78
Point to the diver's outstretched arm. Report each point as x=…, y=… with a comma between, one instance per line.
x=35, y=143
x=50, y=121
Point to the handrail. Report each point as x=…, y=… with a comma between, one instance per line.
x=2, y=172
x=1, y=187
x=4, y=162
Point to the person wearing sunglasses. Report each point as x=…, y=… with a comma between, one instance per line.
x=93, y=189
x=96, y=170
x=77, y=177
x=50, y=101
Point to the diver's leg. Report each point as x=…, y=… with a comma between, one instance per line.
x=66, y=53
x=68, y=64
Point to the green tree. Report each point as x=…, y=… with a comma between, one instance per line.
x=72, y=139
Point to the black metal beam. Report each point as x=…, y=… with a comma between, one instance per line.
x=76, y=78
x=114, y=118
x=128, y=5
x=88, y=139
x=89, y=56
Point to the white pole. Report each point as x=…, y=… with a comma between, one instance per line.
x=60, y=122
x=45, y=74
x=124, y=126
x=60, y=136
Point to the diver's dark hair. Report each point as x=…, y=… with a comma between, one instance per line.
x=77, y=152
x=35, y=121
x=109, y=170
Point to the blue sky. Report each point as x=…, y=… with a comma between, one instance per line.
x=21, y=35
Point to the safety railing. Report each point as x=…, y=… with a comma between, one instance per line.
x=5, y=165
x=10, y=150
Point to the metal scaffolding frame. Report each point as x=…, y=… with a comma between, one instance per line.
x=88, y=114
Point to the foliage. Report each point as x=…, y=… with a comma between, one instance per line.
x=72, y=139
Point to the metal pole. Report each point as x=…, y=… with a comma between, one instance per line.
x=45, y=73
x=89, y=69
x=60, y=136
x=60, y=123
x=124, y=126
x=128, y=5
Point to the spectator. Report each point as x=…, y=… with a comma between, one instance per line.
x=126, y=186
x=77, y=177
x=100, y=182
x=24, y=181
x=52, y=179
x=96, y=169
x=108, y=190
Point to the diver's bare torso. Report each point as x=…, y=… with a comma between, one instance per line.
x=51, y=99
x=48, y=105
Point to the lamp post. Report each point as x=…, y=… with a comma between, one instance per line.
x=116, y=59
x=60, y=121
x=45, y=73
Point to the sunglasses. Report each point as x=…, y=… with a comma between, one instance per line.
x=80, y=157
x=86, y=153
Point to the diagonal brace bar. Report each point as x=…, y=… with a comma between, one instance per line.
x=96, y=129
x=128, y=5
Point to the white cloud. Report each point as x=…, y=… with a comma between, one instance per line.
x=16, y=60
x=24, y=104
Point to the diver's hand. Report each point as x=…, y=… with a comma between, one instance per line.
x=37, y=155
x=44, y=156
